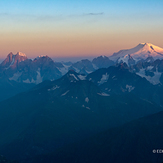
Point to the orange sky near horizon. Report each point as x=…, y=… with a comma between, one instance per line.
x=68, y=45
x=88, y=29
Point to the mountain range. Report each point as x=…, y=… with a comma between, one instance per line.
x=21, y=69
x=88, y=111
x=55, y=113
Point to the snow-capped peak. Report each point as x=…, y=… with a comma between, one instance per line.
x=21, y=54
x=41, y=56
x=12, y=60
x=141, y=51
x=153, y=47
x=126, y=59
x=103, y=56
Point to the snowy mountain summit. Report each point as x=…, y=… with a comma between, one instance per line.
x=140, y=52
x=12, y=60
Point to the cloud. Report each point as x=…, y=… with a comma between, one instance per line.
x=94, y=14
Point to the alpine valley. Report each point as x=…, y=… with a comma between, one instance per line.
x=109, y=109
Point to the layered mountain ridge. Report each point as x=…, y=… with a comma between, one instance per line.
x=73, y=101
x=21, y=69
x=71, y=108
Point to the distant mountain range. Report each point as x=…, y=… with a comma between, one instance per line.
x=21, y=69
x=145, y=60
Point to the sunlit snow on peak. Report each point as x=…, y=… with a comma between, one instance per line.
x=21, y=54
x=141, y=51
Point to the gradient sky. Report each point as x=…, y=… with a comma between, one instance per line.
x=78, y=28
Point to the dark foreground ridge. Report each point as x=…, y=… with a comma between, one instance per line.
x=139, y=141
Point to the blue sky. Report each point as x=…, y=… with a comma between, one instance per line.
x=75, y=28
x=72, y=6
